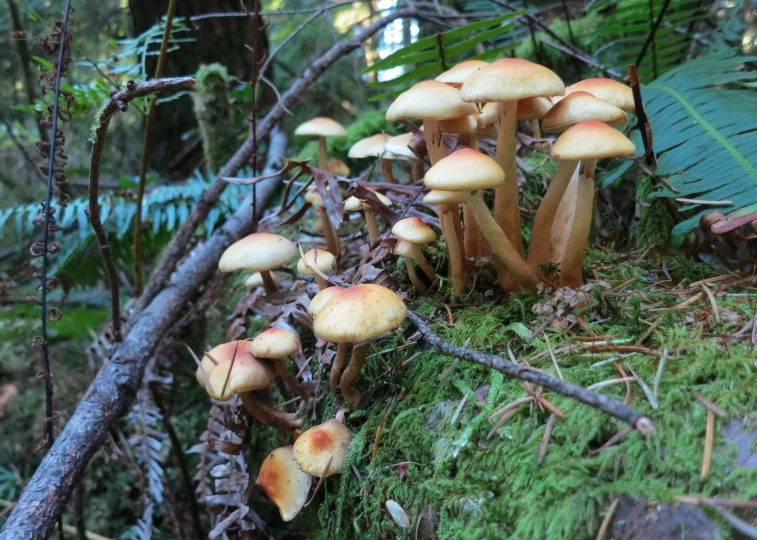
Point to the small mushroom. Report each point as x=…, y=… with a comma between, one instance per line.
x=399, y=148
x=405, y=249
x=323, y=446
x=284, y=482
x=277, y=344
x=357, y=315
x=240, y=373
x=321, y=127
x=413, y=231
x=329, y=231
x=316, y=304
x=533, y=109
x=339, y=167
x=609, y=90
x=374, y=147
x=259, y=252
x=256, y=280
x=353, y=204
x=585, y=142
x=317, y=259
x=458, y=74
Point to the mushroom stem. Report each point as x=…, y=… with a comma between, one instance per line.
x=290, y=379
x=351, y=375
x=463, y=140
x=571, y=269
x=322, y=283
x=386, y=171
x=373, y=230
x=538, y=251
x=268, y=283
x=423, y=263
x=417, y=170
x=500, y=244
x=506, y=202
x=455, y=259
x=535, y=129
x=255, y=404
x=471, y=233
x=563, y=222
x=474, y=142
x=434, y=140
x=414, y=279
x=458, y=223
x=328, y=231
x=323, y=158
x=336, y=366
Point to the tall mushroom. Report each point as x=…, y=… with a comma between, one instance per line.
x=471, y=172
x=314, y=198
x=321, y=127
x=316, y=259
x=320, y=451
x=353, y=204
x=574, y=108
x=585, y=142
x=259, y=252
x=316, y=304
x=507, y=81
x=357, y=315
x=373, y=147
x=417, y=234
x=284, y=482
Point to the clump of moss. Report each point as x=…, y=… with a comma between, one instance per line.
x=214, y=115
x=655, y=222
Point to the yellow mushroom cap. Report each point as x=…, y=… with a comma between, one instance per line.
x=358, y=314
x=489, y=114
x=370, y=147
x=315, y=447
x=321, y=126
x=457, y=75
x=438, y=196
x=284, y=482
x=353, y=204
x=464, y=170
x=511, y=79
x=579, y=107
x=320, y=299
x=275, y=343
x=467, y=124
x=221, y=353
x=313, y=197
x=339, y=167
x=608, y=90
x=591, y=140
x=403, y=249
x=533, y=108
x=256, y=280
x=413, y=230
x=398, y=146
x=432, y=100
x=320, y=259
x=257, y=252
x=248, y=373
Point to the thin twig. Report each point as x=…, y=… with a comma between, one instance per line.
x=603, y=403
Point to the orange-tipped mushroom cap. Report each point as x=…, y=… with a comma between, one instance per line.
x=370, y=147
x=465, y=170
x=284, y=482
x=511, y=79
x=413, y=230
x=321, y=126
x=457, y=75
x=221, y=353
x=608, y=90
x=275, y=343
x=591, y=140
x=314, y=448
x=358, y=314
x=319, y=259
x=533, y=108
x=248, y=373
x=578, y=107
x=320, y=299
x=257, y=252
x=432, y=100
x=339, y=167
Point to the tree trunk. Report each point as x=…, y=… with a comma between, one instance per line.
x=220, y=39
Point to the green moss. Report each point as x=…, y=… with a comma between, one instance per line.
x=214, y=115
x=655, y=222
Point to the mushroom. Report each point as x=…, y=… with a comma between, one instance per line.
x=457, y=75
x=259, y=252
x=533, y=109
x=329, y=231
x=399, y=148
x=471, y=233
x=507, y=81
x=574, y=108
x=321, y=127
x=284, y=482
x=276, y=344
x=585, y=142
x=353, y=204
x=338, y=167
x=448, y=202
x=563, y=222
x=413, y=231
x=316, y=304
x=316, y=259
x=320, y=451
x=608, y=90
x=218, y=355
x=405, y=249
x=471, y=172
x=373, y=147
x=256, y=280
x=356, y=315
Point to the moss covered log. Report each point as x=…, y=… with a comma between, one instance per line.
x=214, y=115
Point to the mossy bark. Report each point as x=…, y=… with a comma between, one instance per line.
x=655, y=222
x=214, y=115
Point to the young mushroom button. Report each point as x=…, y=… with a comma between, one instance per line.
x=284, y=482
x=259, y=252
x=413, y=231
x=323, y=446
x=315, y=261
